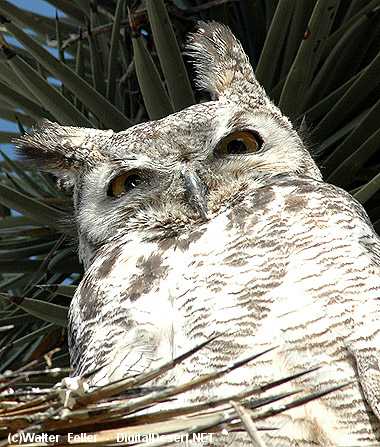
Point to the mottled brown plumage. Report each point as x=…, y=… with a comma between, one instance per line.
x=252, y=245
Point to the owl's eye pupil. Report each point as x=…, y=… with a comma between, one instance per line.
x=131, y=182
x=236, y=147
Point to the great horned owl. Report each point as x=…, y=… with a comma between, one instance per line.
x=216, y=220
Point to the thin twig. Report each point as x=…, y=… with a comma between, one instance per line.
x=83, y=35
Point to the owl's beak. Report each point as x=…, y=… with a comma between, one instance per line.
x=195, y=192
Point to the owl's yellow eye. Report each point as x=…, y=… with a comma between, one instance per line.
x=124, y=183
x=238, y=143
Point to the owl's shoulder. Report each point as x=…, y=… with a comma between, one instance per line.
x=290, y=207
x=305, y=195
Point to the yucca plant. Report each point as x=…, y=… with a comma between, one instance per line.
x=118, y=63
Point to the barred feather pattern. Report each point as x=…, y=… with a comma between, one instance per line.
x=296, y=264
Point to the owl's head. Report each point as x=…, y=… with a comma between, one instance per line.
x=163, y=177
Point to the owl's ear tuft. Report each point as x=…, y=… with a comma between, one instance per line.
x=57, y=149
x=220, y=61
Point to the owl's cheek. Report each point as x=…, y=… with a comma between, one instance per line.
x=227, y=194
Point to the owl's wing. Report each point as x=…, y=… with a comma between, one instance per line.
x=364, y=344
x=335, y=258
